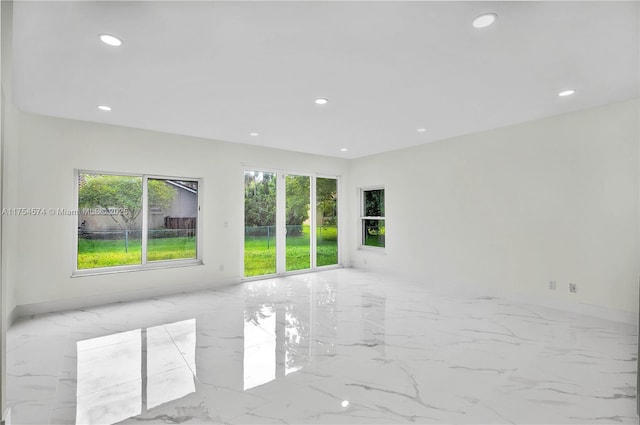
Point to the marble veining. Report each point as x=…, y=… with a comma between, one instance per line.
x=341, y=346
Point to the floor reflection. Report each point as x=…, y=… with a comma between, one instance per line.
x=109, y=378
x=281, y=338
x=297, y=331
x=259, y=346
x=170, y=372
x=325, y=321
x=122, y=375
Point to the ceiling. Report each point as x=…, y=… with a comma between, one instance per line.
x=222, y=70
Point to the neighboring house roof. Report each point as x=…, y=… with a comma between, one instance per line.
x=181, y=185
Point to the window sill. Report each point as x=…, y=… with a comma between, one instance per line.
x=137, y=268
x=376, y=249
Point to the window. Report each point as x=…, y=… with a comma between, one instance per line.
x=373, y=227
x=130, y=221
x=172, y=219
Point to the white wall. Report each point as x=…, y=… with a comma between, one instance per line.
x=3, y=308
x=7, y=298
x=515, y=207
x=47, y=150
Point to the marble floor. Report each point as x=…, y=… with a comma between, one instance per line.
x=340, y=346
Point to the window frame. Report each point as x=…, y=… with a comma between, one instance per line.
x=364, y=217
x=144, y=264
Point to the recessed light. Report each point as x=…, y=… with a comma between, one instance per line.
x=321, y=101
x=104, y=107
x=422, y=130
x=110, y=40
x=484, y=20
x=343, y=149
x=566, y=93
x=345, y=403
x=254, y=134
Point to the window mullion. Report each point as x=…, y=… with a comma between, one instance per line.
x=145, y=218
x=313, y=196
x=281, y=222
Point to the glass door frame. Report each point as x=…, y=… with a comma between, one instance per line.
x=281, y=199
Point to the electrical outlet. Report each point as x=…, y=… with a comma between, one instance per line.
x=573, y=287
x=552, y=285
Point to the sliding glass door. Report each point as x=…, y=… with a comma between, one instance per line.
x=259, y=223
x=297, y=216
x=291, y=222
x=326, y=221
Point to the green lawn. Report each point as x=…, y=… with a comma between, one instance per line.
x=327, y=245
x=259, y=256
x=93, y=253
x=374, y=240
x=374, y=233
x=260, y=252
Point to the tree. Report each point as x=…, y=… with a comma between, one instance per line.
x=161, y=194
x=297, y=200
x=374, y=203
x=259, y=199
x=121, y=196
x=327, y=200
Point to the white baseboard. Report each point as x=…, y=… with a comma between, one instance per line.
x=6, y=417
x=12, y=317
x=26, y=310
x=606, y=313
x=611, y=314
